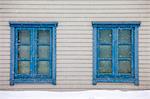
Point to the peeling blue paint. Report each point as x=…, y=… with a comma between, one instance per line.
x=115, y=77
x=33, y=76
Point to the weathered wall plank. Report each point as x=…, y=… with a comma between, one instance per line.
x=74, y=38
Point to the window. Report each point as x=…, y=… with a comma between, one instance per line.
x=33, y=55
x=115, y=52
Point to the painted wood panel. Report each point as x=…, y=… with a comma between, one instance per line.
x=74, y=38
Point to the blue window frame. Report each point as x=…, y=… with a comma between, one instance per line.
x=115, y=52
x=33, y=52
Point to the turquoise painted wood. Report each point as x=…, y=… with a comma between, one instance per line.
x=33, y=52
x=115, y=52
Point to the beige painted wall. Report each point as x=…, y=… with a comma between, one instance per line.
x=74, y=38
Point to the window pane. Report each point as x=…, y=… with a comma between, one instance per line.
x=124, y=67
x=105, y=51
x=23, y=67
x=24, y=36
x=124, y=36
x=43, y=36
x=105, y=67
x=24, y=52
x=124, y=51
x=105, y=36
x=43, y=67
x=43, y=52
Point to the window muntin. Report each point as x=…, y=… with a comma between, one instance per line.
x=104, y=51
x=43, y=53
x=33, y=58
x=22, y=51
x=114, y=52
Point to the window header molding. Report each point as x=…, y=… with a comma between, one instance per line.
x=33, y=24
x=116, y=24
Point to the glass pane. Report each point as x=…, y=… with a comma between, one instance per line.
x=24, y=52
x=105, y=67
x=43, y=36
x=124, y=36
x=23, y=67
x=105, y=51
x=124, y=51
x=24, y=36
x=124, y=67
x=43, y=67
x=105, y=36
x=43, y=52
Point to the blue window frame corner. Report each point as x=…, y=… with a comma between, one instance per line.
x=32, y=78
x=115, y=77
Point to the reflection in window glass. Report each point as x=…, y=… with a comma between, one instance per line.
x=43, y=52
x=124, y=36
x=24, y=36
x=105, y=51
x=43, y=67
x=43, y=36
x=23, y=67
x=124, y=51
x=24, y=52
x=105, y=67
x=124, y=67
x=105, y=36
